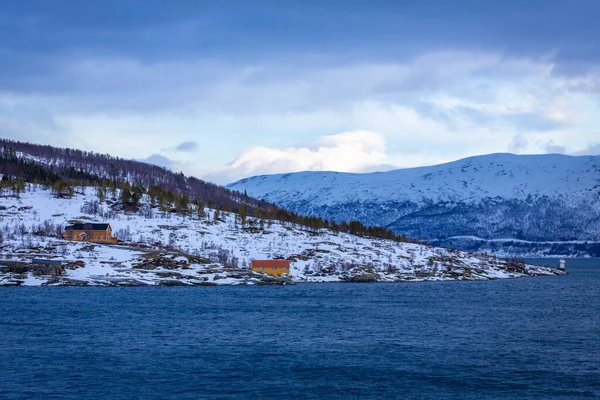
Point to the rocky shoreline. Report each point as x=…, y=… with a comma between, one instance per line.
x=176, y=269
x=210, y=248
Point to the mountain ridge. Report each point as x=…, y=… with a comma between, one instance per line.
x=527, y=197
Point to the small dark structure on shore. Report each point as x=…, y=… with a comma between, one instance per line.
x=42, y=266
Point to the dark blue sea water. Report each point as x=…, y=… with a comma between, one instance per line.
x=535, y=338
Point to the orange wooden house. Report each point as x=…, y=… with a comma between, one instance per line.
x=272, y=267
x=100, y=233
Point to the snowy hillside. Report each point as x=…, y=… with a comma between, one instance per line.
x=173, y=249
x=39, y=163
x=498, y=196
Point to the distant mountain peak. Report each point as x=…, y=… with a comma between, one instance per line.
x=532, y=197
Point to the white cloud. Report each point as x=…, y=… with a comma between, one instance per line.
x=436, y=107
x=160, y=160
x=519, y=142
x=591, y=150
x=358, y=151
x=553, y=148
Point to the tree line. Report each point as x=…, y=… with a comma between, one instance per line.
x=75, y=164
x=63, y=170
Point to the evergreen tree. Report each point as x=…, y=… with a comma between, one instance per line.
x=125, y=195
x=164, y=208
x=183, y=203
x=62, y=189
x=243, y=213
x=100, y=193
x=19, y=186
x=135, y=196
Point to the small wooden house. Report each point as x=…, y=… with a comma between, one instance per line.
x=272, y=267
x=88, y=232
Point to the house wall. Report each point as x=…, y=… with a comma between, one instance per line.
x=94, y=236
x=275, y=271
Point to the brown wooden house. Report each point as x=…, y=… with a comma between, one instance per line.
x=272, y=267
x=88, y=232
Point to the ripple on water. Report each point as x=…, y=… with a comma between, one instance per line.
x=523, y=338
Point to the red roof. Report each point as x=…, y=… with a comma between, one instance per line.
x=271, y=263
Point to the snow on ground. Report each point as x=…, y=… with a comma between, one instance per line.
x=202, y=251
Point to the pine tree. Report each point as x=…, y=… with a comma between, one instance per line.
x=183, y=203
x=125, y=195
x=100, y=193
x=164, y=208
x=243, y=214
x=19, y=186
x=135, y=196
x=62, y=189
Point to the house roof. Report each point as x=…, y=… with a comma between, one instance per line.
x=46, y=261
x=270, y=263
x=87, y=227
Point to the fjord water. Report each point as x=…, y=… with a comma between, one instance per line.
x=505, y=339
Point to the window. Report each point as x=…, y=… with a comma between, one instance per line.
x=274, y=268
x=262, y=267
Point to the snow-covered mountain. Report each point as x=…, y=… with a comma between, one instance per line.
x=498, y=196
x=167, y=248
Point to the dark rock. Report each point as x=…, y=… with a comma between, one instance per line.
x=171, y=282
x=364, y=278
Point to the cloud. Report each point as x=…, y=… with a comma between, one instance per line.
x=188, y=79
x=592, y=149
x=552, y=148
x=518, y=144
x=159, y=160
x=187, y=147
x=436, y=107
x=359, y=151
x=361, y=30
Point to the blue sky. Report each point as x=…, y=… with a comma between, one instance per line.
x=228, y=89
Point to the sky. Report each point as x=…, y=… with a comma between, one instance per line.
x=223, y=90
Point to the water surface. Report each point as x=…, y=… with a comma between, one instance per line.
x=505, y=339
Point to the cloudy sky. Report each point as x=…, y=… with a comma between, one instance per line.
x=228, y=89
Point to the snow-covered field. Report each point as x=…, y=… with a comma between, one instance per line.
x=168, y=249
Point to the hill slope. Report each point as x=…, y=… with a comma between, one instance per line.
x=33, y=161
x=527, y=197
x=166, y=248
x=61, y=169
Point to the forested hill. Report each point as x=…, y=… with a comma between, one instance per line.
x=34, y=162
x=64, y=169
